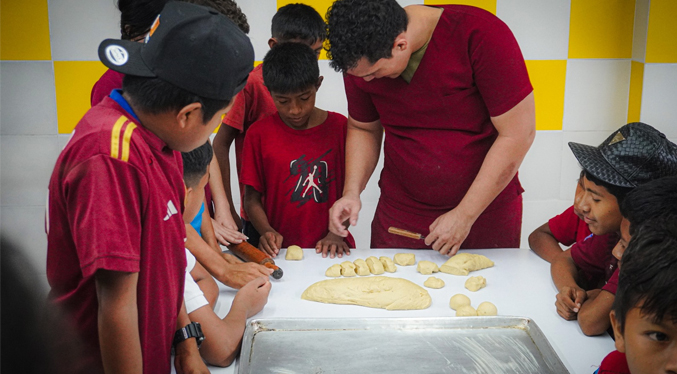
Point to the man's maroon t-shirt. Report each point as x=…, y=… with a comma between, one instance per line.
x=299, y=173
x=594, y=258
x=567, y=228
x=115, y=202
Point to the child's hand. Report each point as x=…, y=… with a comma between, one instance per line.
x=569, y=302
x=332, y=244
x=253, y=296
x=227, y=232
x=270, y=242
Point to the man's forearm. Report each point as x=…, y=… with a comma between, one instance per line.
x=222, y=143
x=363, y=146
x=221, y=203
x=215, y=264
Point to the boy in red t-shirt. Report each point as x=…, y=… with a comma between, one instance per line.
x=292, y=23
x=294, y=161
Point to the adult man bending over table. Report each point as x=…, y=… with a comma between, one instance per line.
x=458, y=111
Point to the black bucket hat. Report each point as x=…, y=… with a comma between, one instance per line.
x=634, y=154
x=190, y=46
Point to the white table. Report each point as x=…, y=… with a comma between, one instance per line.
x=519, y=284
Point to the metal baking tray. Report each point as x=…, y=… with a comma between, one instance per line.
x=397, y=345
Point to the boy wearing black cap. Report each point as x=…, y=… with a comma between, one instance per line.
x=635, y=154
x=116, y=260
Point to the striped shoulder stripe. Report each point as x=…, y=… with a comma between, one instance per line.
x=126, y=138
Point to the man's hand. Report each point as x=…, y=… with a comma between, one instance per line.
x=344, y=209
x=238, y=274
x=270, y=242
x=332, y=244
x=253, y=296
x=569, y=302
x=187, y=359
x=448, y=232
x=226, y=231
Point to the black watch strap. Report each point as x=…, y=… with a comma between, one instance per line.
x=192, y=330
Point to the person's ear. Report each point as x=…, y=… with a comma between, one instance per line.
x=272, y=42
x=618, y=335
x=400, y=44
x=188, y=114
x=319, y=83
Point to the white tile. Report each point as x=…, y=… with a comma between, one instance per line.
x=78, y=27
x=25, y=227
x=659, y=98
x=571, y=169
x=541, y=27
x=539, y=212
x=259, y=16
x=26, y=164
x=540, y=170
x=27, y=98
x=404, y=3
x=332, y=94
x=596, y=95
x=640, y=30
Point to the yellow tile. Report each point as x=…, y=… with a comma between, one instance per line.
x=24, y=30
x=488, y=5
x=601, y=28
x=74, y=81
x=548, y=78
x=635, y=96
x=661, y=41
x=320, y=5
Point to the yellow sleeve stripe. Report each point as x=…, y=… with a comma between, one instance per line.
x=125, y=141
x=115, y=136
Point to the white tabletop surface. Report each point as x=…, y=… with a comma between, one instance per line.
x=519, y=284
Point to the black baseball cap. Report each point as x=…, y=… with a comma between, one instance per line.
x=190, y=46
x=634, y=154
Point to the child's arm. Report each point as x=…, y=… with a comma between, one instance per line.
x=544, y=244
x=564, y=274
x=332, y=244
x=594, y=314
x=187, y=359
x=207, y=231
x=225, y=228
x=271, y=240
x=222, y=142
x=118, y=321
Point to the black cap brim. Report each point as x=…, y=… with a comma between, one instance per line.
x=124, y=56
x=592, y=160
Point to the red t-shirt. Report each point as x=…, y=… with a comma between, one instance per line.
x=299, y=173
x=612, y=284
x=253, y=103
x=109, y=81
x=115, y=202
x=594, y=258
x=438, y=127
x=567, y=228
x=614, y=363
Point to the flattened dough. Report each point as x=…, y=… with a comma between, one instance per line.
x=374, y=292
x=474, y=284
x=405, y=259
x=361, y=267
x=465, y=311
x=433, y=282
x=347, y=269
x=464, y=263
x=294, y=252
x=458, y=301
x=487, y=309
x=388, y=264
x=427, y=267
x=375, y=266
x=333, y=271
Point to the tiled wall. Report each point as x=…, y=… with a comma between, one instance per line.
x=595, y=65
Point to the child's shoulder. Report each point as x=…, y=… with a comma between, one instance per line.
x=337, y=119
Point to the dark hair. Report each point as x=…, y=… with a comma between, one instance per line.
x=650, y=200
x=290, y=68
x=155, y=96
x=298, y=22
x=648, y=272
x=362, y=28
x=195, y=164
x=136, y=16
x=618, y=191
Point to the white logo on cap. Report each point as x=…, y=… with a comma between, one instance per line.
x=117, y=55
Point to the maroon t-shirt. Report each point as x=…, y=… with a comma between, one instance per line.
x=109, y=81
x=251, y=104
x=299, y=173
x=594, y=258
x=438, y=127
x=115, y=202
x=567, y=228
x=614, y=363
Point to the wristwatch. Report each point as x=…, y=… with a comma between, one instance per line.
x=192, y=330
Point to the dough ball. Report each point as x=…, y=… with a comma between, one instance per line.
x=475, y=283
x=434, y=282
x=487, y=309
x=361, y=267
x=294, y=252
x=348, y=269
x=388, y=264
x=427, y=267
x=405, y=259
x=375, y=266
x=333, y=271
x=466, y=311
x=458, y=301
x=464, y=263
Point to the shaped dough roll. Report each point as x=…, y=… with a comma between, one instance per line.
x=458, y=301
x=475, y=283
x=347, y=269
x=433, y=282
x=487, y=309
x=388, y=264
x=333, y=271
x=361, y=267
x=374, y=292
x=405, y=259
x=464, y=263
x=466, y=311
x=427, y=267
x=375, y=266
x=294, y=253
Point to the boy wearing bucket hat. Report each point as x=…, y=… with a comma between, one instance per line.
x=631, y=156
x=116, y=259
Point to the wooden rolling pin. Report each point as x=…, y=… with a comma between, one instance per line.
x=249, y=253
x=408, y=234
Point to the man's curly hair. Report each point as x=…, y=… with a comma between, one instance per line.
x=362, y=28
